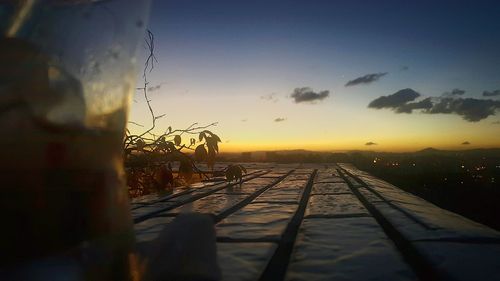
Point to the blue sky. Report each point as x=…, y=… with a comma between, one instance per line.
x=218, y=58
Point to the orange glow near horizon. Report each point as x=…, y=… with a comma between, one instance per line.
x=384, y=143
x=342, y=147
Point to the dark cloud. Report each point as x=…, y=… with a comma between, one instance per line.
x=279, y=119
x=306, y=94
x=496, y=122
x=396, y=100
x=370, y=143
x=409, y=107
x=491, y=94
x=454, y=92
x=270, y=97
x=367, y=79
x=404, y=68
x=470, y=109
x=465, y=143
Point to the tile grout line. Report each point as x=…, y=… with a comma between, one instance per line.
x=418, y=263
x=246, y=240
x=194, y=198
x=408, y=215
x=172, y=196
x=249, y=199
x=339, y=216
x=278, y=264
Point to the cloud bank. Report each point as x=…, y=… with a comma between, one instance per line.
x=470, y=109
x=370, y=143
x=366, y=79
x=279, y=119
x=465, y=143
x=306, y=94
x=396, y=100
x=491, y=94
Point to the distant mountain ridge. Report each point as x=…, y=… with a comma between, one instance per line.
x=425, y=151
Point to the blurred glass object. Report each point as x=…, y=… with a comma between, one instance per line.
x=67, y=74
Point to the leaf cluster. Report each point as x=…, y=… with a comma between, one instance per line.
x=149, y=158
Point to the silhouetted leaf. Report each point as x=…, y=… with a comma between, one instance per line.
x=177, y=140
x=211, y=151
x=193, y=141
x=202, y=136
x=211, y=158
x=216, y=137
x=212, y=144
x=200, y=153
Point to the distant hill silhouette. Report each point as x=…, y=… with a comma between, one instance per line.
x=300, y=155
x=429, y=150
x=477, y=152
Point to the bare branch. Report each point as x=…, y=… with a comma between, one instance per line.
x=135, y=123
x=147, y=153
x=151, y=59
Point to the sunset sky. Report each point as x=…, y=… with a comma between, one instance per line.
x=311, y=74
